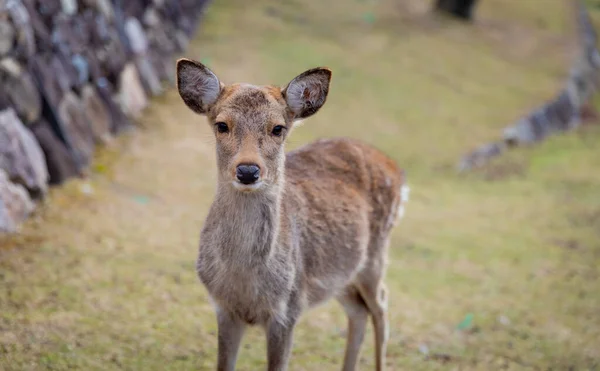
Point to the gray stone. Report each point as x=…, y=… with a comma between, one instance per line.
x=151, y=18
x=25, y=37
x=20, y=154
x=82, y=67
x=182, y=40
x=76, y=129
x=481, y=155
x=10, y=66
x=22, y=91
x=40, y=30
x=148, y=75
x=136, y=35
x=103, y=6
x=69, y=7
x=7, y=37
x=131, y=95
x=60, y=162
x=165, y=66
x=15, y=204
x=98, y=114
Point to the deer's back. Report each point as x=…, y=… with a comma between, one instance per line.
x=345, y=194
x=344, y=163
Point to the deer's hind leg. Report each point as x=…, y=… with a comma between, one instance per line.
x=373, y=291
x=357, y=311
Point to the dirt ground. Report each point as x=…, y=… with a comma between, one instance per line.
x=497, y=269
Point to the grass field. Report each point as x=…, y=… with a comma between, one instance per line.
x=497, y=269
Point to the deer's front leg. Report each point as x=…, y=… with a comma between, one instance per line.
x=231, y=331
x=279, y=345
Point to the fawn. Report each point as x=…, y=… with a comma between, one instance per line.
x=286, y=232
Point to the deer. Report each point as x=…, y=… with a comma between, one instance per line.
x=289, y=231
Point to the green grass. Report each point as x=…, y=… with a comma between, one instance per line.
x=106, y=281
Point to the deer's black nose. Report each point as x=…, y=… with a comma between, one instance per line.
x=247, y=174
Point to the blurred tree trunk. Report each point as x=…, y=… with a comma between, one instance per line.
x=458, y=8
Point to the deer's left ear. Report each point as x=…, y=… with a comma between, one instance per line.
x=198, y=86
x=307, y=92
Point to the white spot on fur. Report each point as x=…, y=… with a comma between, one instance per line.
x=401, y=211
x=404, y=196
x=404, y=192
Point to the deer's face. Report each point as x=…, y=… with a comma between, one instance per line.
x=250, y=123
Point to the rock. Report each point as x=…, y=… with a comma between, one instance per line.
x=131, y=8
x=20, y=155
x=99, y=31
x=47, y=78
x=131, y=93
x=119, y=121
x=10, y=66
x=63, y=72
x=98, y=114
x=82, y=27
x=69, y=7
x=182, y=40
x=136, y=36
x=60, y=162
x=112, y=56
x=587, y=32
x=40, y=30
x=7, y=37
x=69, y=34
x=161, y=40
x=22, y=92
x=82, y=67
x=104, y=7
x=151, y=18
x=95, y=70
x=15, y=204
x=162, y=49
x=76, y=129
x=481, y=155
x=525, y=131
x=25, y=38
x=558, y=115
x=564, y=108
x=164, y=66
x=4, y=101
x=148, y=75
x=47, y=9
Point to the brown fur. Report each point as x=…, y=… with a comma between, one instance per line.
x=316, y=228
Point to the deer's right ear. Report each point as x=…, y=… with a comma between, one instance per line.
x=198, y=86
x=307, y=92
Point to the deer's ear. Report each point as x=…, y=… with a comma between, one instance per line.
x=307, y=92
x=198, y=86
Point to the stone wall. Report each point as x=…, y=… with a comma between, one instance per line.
x=560, y=114
x=73, y=75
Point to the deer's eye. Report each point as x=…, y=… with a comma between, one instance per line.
x=222, y=127
x=278, y=130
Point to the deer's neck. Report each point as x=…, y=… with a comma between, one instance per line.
x=250, y=224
